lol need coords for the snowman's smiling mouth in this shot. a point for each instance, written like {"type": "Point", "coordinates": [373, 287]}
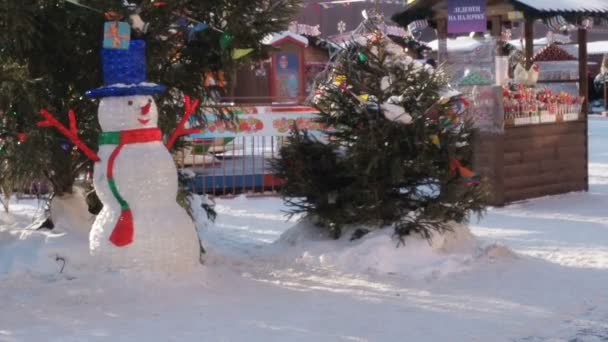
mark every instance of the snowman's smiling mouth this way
{"type": "Point", "coordinates": [144, 111]}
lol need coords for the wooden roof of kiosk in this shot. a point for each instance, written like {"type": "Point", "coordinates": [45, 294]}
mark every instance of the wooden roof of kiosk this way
{"type": "Point", "coordinates": [526, 161]}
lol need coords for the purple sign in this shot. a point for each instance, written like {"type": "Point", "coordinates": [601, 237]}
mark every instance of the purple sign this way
{"type": "Point", "coordinates": [465, 16]}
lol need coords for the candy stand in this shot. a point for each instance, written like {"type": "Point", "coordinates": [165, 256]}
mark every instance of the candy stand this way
{"type": "Point", "coordinates": [531, 115]}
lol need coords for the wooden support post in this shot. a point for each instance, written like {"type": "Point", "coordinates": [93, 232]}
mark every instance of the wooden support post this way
{"type": "Point", "coordinates": [583, 68]}
{"type": "Point", "coordinates": [584, 91]}
{"type": "Point", "coordinates": [605, 96]}
{"type": "Point", "coordinates": [496, 26]}
{"type": "Point", "coordinates": [442, 40]}
{"type": "Point", "coordinates": [497, 30]}
{"type": "Point", "coordinates": [529, 39]}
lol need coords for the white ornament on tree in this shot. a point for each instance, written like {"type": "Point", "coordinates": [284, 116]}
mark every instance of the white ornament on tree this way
{"type": "Point", "coordinates": [138, 24]}
{"type": "Point", "coordinates": [396, 113]}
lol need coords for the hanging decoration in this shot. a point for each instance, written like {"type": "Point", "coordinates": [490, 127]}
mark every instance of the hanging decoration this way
{"type": "Point", "coordinates": [199, 27]}
{"type": "Point", "coordinates": [557, 23]}
{"type": "Point", "coordinates": [417, 26]}
{"type": "Point", "coordinates": [341, 26]}
{"type": "Point", "coordinates": [303, 29]}
{"type": "Point", "coordinates": [396, 31]}
{"type": "Point", "coordinates": [435, 140]}
{"type": "Point", "coordinates": [317, 6]}
{"type": "Point", "coordinates": [21, 137]}
{"type": "Point", "coordinates": [138, 24]}
{"type": "Point", "coordinates": [240, 53]}
{"type": "Point", "coordinates": [116, 35]}
{"type": "Point", "coordinates": [77, 3]}
{"type": "Point", "coordinates": [456, 166]}
{"type": "Point", "coordinates": [225, 40]}
{"type": "Point", "coordinates": [214, 79]}
{"type": "Point", "coordinates": [65, 145]}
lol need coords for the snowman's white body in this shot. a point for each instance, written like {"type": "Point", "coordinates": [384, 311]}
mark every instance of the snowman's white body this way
{"type": "Point", "coordinates": [145, 175]}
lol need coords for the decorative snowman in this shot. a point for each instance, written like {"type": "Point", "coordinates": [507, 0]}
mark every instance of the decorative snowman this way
{"type": "Point", "coordinates": [141, 225]}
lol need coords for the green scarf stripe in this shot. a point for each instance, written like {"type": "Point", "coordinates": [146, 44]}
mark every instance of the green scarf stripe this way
{"type": "Point", "coordinates": [123, 204]}
{"type": "Point", "coordinates": [109, 138]}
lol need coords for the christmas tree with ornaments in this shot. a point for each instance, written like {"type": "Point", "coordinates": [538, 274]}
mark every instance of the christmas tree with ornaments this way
{"type": "Point", "coordinates": [188, 44]}
{"type": "Point", "coordinates": [50, 57]}
{"type": "Point", "coordinates": [397, 151]}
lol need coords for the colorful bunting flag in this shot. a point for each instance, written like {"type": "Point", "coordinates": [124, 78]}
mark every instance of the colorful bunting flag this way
{"type": "Point", "coordinates": [240, 53]}
{"type": "Point", "coordinates": [435, 140]}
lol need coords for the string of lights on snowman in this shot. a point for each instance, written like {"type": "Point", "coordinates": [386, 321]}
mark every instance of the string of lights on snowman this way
{"type": "Point", "coordinates": [127, 114]}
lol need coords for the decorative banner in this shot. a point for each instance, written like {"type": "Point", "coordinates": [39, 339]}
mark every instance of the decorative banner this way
{"type": "Point", "coordinates": [303, 29]}
{"type": "Point", "coordinates": [515, 15]}
{"type": "Point", "coordinates": [261, 121]}
{"type": "Point", "coordinates": [465, 16]}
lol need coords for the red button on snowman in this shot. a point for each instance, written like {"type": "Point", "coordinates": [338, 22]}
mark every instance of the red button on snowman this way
{"type": "Point", "coordinates": [141, 225]}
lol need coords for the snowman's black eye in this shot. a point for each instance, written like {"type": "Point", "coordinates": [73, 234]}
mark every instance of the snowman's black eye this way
{"type": "Point", "coordinates": [149, 100]}
{"type": "Point", "coordinates": [130, 103]}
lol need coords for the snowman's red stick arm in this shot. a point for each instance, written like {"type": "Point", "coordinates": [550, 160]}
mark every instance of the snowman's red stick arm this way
{"type": "Point", "coordinates": [189, 108]}
{"type": "Point", "coordinates": [71, 133]}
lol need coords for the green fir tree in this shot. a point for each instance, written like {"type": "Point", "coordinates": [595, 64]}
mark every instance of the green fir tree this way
{"type": "Point", "coordinates": [50, 56]}
{"type": "Point", "coordinates": [397, 152]}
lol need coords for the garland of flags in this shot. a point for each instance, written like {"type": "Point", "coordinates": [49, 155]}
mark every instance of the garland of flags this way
{"type": "Point", "coordinates": [193, 25]}
{"type": "Point", "coordinates": [559, 23]}
{"type": "Point", "coordinates": [417, 25]}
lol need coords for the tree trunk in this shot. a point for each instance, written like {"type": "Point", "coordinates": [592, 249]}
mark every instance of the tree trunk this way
{"type": "Point", "coordinates": [6, 201]}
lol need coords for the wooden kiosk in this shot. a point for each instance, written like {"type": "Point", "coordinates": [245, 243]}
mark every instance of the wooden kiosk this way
{"type": "Point", "coordinates": [527, 145]}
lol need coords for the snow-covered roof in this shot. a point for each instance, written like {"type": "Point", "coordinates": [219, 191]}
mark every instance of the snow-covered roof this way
{"type": "Point", "coordinates": [274, 38]}
{"type": "Point", "coordinates": [467, 43]}
{"type": "Point", "coordinates": [597, 6]}
{"type": "Point", "coordinates": [458, 44]}
{"type": "Point", "coordinates": [597, 48]}
{"type": "Point", "coordinates": [559, 38]}
{"type": "Point", "coordinates": [533, 9]}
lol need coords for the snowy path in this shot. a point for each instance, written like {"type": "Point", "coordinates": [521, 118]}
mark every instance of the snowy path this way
{"type": "Point", "coordinates": [556, 290]}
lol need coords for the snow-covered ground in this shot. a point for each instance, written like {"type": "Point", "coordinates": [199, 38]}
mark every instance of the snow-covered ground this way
{"type": "Point", "coordinates": [255, 288]}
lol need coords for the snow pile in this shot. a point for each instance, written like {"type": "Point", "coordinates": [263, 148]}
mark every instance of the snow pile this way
{"type": "Point", "coordinates": [70, 214]}
{"type": "Point", "coordinates": [65, 249]}
{"type": "Point", "coordinates": [41, 252]}
{"type": "Point", "coordinates": [380, 252]}
{"type": "Point", "coordinates": [199, 214]}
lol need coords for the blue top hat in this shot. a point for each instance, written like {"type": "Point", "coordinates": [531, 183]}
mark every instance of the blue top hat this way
{"type": "Point", "coordinates": [124, 73]}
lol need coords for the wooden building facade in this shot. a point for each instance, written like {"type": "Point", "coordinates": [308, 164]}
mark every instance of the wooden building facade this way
{"type": "Point", "coordinates": [536, 158]}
